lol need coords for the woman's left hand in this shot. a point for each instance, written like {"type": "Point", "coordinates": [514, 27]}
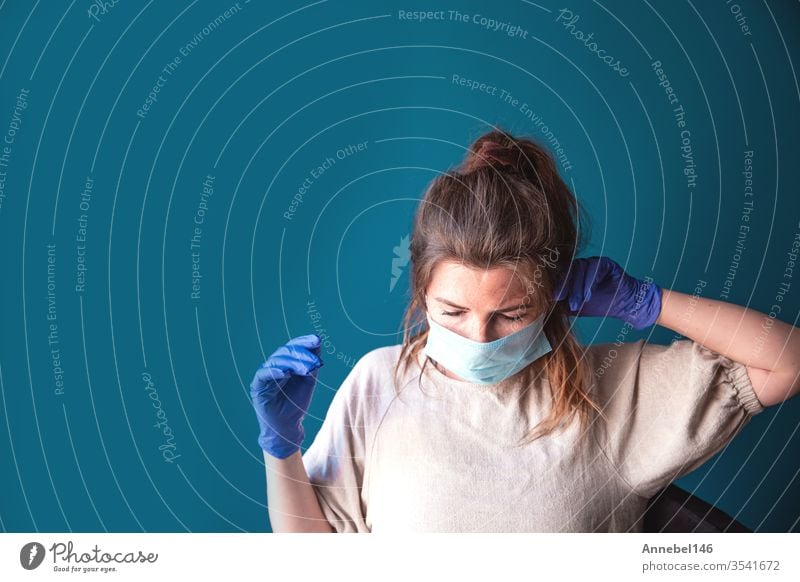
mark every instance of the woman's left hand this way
{"type": "Point", "coordinates": [599, 287]}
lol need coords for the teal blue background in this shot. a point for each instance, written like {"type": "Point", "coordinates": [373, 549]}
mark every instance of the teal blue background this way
{"type": "Point", "coordinates": [259, 103]}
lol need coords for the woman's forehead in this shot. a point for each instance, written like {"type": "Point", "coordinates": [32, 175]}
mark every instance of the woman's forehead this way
{"type": "Point", "coordinates": [447, 272]}
{"type": "Point", "coordinates": [468, 286]}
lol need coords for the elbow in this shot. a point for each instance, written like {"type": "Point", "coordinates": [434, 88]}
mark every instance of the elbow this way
{"type": "Point", "coordinates": [773, 387]}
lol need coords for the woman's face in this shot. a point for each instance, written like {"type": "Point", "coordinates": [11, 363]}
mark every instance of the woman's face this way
{"type": "Point", "coordinates": [479, 304]}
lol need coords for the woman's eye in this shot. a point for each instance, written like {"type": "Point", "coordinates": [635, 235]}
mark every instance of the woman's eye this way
{"type": "Point", "coordinates": [505, 317]}
{"type": "Point", "coordinates": [514, 318]}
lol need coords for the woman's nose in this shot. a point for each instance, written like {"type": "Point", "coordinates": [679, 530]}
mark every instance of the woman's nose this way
{"type": "Point", "coordinates": [479, 331]}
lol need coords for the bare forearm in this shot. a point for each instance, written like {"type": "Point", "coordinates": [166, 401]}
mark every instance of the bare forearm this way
{"type": "Point", "coordinates": [742, 334]}
{"type": "Point", "coordinates": [292, 503]}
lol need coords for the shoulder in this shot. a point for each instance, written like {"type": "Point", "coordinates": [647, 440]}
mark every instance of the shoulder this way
{"type": "Point", "coordinates": [371, 381]}
{"type": "Point", "coordinates": [614, 357]}
{"type": "Point", "coordinates": [377, 364]}
{"type": "Point", "coordinates": [618, 368]}
{"type": "Point", "coordinates": [682, 367]}
{"type": "Point", "coordinates": [379, 357]}
{"type": "Point", "coordinates": [624, 355]}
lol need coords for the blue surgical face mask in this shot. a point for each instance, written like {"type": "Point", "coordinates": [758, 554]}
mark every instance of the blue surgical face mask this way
{"type": "Point", "coordinates": [490, 362]}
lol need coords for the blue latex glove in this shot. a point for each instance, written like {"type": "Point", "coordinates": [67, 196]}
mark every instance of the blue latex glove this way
{"type": "Point", "coordinates": [598, 286]}
{"type": "Point", "coordinates": [281, 392]}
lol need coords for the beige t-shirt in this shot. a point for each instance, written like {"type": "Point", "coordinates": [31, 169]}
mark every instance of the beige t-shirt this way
{"type": "Point", "coordinates": [441, 458]}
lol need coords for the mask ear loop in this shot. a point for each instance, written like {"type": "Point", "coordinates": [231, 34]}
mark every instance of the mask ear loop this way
{"type": "Point", "coordinates": [428, 359]}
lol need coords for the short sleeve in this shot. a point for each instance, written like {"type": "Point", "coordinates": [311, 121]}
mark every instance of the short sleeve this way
{"type": "Point", "coordinates": [335, 460]}
{"type": "Point", "coordinates": [670, 408]}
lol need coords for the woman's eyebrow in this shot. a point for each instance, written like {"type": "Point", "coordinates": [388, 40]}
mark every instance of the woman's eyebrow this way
{"type": "Point", "coordinates": [519, 306]}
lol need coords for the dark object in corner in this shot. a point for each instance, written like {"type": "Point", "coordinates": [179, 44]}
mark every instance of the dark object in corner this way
{"type": "Point", "coordinates": [674, 510]}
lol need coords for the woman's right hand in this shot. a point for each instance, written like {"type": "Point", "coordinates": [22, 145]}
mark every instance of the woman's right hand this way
{"type": "Point", "coordinates": [281, 393]}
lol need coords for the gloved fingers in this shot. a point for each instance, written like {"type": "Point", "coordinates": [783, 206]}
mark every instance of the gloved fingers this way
{"type": "Point", "coordinates": [276, 372]}
{"type": "Point", "coordinates": [309, 341]}
{"type": "Point", "coordinates": [596, 269]}
{"type": "Point", "coordinates": [284, 363]}
{"type": "Point", "coordinates": [297, 364]}
{"type": "Point", "coordinates": [570, 279]}
{"type": "Point", "coordinates": [594, 278]}
{"type": "Point", "coordinates": [303, 356]}
{"type": "Point", "coordinates": [269, 380]}
{"type": "Point", "coordinates": [561, 284]}
{"type": "Point", "coordinates": [581, 286]}
{"type": "Point", "coordinates": [609, 270]}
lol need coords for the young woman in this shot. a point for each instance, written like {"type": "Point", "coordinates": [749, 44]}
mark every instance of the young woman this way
{"type": "Point", "coordinates": [490, 416]}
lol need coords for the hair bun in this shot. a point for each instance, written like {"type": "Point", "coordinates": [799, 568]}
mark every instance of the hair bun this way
{"type": "Point", "coordinates": [494, 149]}
{"type": "Point", "coordinates": [524, 157]}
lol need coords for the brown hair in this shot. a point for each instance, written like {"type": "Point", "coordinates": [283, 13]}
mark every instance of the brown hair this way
{"type": "Point", "coordinates": [505, 206]}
